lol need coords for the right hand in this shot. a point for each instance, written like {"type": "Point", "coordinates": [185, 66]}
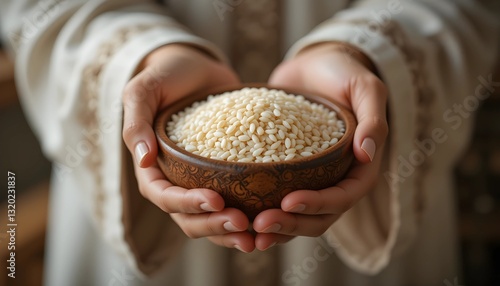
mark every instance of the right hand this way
{"type": "Point", "coordinates": [164, 76]}
{"type": "Point", "coordinates": [345, 74]}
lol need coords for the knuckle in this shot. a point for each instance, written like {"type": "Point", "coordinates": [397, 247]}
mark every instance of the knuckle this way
{"type": "Point", "coordinates": [321, 207]}
{"type": "Point", "coordinates": [226, 242]}
{"type": "Point", "coordinates": [130, 129]}
{"type": "Point", "coordinates": [347, 202]}
{"type": "Point", "coordinates": [131, 91]}
{"type": "Point", "coordinates": [372, 82]}
{"type": "Point", "coordinates": [152, 79]}
{"type": "Point", "coordinates": [186, 226]}
{"type": "Point", "coordinates": [187, 200]}
{"type": "Point", "coordinates": [163, 203]}
{"type": "Point", "coordinates": [294, 226]}
{"type": "Point", "coordinates": [142, 191]}
{"type": "Point", "coordinates": [189, 233]}
{"type": "Point", "coordinates": [380, 124]}
{"type": "Point", "coordinates": [376, 83]}
{"type": "Point", "coordinates": [209, 224]}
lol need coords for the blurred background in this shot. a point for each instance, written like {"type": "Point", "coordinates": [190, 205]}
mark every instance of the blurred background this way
{"type": "Point", "coordinates": [477, 179]}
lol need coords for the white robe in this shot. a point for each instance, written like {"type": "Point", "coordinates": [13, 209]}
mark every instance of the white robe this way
{"type": "Point", "coordinates": [73, 59]}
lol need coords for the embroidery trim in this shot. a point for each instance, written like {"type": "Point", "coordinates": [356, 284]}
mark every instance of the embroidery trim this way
{"type": "Point", "coordinates": [89, 116]}
{"type": "Point", "coordinates": [425, 95]}
{"type": "Point", "coordinates": [425, 98]}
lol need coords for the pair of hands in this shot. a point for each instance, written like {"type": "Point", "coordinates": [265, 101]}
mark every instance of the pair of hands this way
{"type": "Point", "coordinates": [174, 71]}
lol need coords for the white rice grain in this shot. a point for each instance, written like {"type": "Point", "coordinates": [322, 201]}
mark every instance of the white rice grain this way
{"type": "Point", "coordinates": [255, 125]}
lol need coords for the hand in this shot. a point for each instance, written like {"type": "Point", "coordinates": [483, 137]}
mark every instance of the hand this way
{"type": "Point", "coordinates": [166, 75]}
{"type": "Point", "coordinates": [346, 75]}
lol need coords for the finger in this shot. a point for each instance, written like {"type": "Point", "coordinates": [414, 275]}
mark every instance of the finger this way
{"type": "Point", "coordinates": [280, 222]}
{"type": "Point", "coordinates": [173, 199]}
{"type": "Point", "coordinates": [210, 224]}
{"type": "Point", "coordinates": [334, 200]}
{"type": "Point", "coordinates": [140, 105]}
{"type": "Point", "coordinates": [143, 97]}
{"type": "Point", "coordinates": [243, 241]}
{"type": "Point", "coordinates": [369, 96]}
{"type": "Point", "coordinates": [264, 241]}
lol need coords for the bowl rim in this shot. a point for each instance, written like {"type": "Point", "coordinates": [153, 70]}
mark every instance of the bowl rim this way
{"type": "Point", "coordinates": [164, 116]}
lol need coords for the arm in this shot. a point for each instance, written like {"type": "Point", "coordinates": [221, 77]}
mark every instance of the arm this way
{"type": "Point", "coordinates": [429, 56]}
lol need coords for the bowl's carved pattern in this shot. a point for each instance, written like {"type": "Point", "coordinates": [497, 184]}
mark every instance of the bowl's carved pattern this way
{"type": "Point", "coordinates": [252, 190]}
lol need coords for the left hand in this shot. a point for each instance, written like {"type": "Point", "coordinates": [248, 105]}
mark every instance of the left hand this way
{"type": "Point", "coordinates": [347, 76]}
{"type": "Point", "coordinates": [165, 75]}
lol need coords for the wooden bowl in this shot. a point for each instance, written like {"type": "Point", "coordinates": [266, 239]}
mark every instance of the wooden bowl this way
{"type": "Point", "coordinates": [254, 187]}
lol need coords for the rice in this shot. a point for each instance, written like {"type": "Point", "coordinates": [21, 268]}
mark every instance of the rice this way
{"type": "Point", "coordinates": [255, 125]}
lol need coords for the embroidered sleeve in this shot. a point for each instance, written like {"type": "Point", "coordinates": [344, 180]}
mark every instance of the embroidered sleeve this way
{"type": "Point", "coordinates": [427, 56]}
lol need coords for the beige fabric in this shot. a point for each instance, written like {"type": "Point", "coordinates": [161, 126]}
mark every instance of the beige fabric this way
{"type": "Point", "coordinates": [73, 59]}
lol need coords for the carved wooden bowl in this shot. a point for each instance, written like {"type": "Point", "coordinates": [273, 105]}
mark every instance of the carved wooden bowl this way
{"type": "Point", "coordinates": [254, 187]}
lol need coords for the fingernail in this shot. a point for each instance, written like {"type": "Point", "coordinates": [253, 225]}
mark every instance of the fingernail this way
{"type": "Point", "coordinates": [369, 147]}
{"type": "Point", "coordinates": [207, 207]}
{"type": "Point", "coordinates": [240, 249]}
{"type": "Point", "coordinates": [272, 228]}
{"type": "Point", "coordinates": [141, 150]}
{"type": "Point", "coordinates": [297, 209]}
{"type": "Point", "coordinates": [271, 245]}
{"type": "Point", "coordinates": [230, 227]}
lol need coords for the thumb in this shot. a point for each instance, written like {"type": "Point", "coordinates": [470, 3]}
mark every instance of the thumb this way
{"type": "Point", "coordinates": [154, 88]}
{"type": "Point", "coordinates": [139, 108]}
{"type": "Point", "coordinates": [143, 97]}
{"type": "Point", "coordinates": [368, 99]}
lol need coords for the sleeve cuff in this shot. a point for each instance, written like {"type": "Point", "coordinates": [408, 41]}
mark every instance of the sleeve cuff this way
{"type": "Point", "coordinates": [137, 229]}
{"type": "Point", "coordinates": [383, 223]}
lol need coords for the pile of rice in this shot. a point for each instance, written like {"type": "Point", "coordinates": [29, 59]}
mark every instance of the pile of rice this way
{"type": "Point", "coordinates": [255, 125]}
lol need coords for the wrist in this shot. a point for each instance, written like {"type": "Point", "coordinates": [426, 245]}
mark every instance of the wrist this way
{"type": "Point", "coordinates": [177, 49]}
{"type": "Point", "coordinates": [346, 49]}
